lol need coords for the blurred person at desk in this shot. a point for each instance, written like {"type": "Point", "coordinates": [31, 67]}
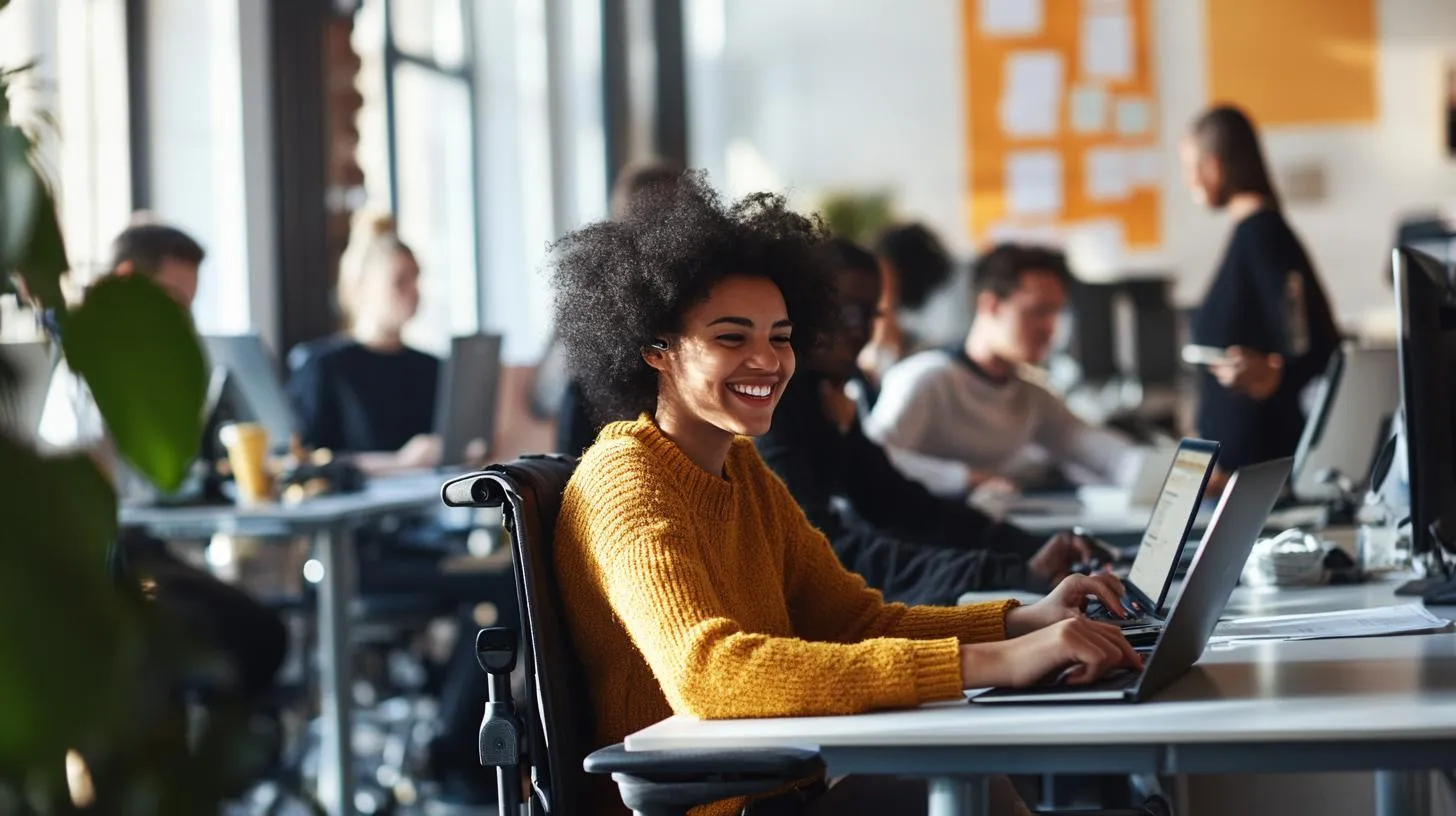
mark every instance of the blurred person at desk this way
{"type": "Point", "coordinates": [693, 584]}
{"type": "Point", "coordinates": [1265, 307]}
{"type": "Point", "coordinates": [961, 418]}
{"type": "Point", "coordinates": [251, 639]}
{"type": "Point", "coordinates": [911, 545]}
{"type": "Point", "coordinates": [914, 265]}
{"type": "Point", "coordinates": [364, 392]}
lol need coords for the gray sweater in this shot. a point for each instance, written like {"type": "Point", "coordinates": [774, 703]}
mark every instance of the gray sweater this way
{"type": "Point", "coordinates": [943, 421]}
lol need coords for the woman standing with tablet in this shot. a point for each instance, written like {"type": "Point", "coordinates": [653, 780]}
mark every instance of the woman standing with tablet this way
{"type": "Point", "coordinates": [1265, 309]}
{"type": "Point", "coordinates": [693, 583]}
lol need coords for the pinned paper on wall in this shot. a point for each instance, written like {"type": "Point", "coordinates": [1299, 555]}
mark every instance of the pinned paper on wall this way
{"type": "Point", "coordinates": [1107, 47]}
{"type": "Point", "coordinates": [1034, 182]}
{"type": "Point", "coordinates": [1106, 174]}
{"type": "Point", "coordinates": [1133, 117]}
{"type": "Point", "coordinates": [1063, 119]}
{"type": "Point", "coordinates": [1011, 18]}
{"type": "Point", "coordinates": [1032, 95]}
{"type": "Point", "coordinates": [1144, 167]}
{"type": "Point", "coordinates": [1089, 109]}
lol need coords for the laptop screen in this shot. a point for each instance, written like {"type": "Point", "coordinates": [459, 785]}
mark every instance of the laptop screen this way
{"type": "Point", "coordinates": [1163, 541]}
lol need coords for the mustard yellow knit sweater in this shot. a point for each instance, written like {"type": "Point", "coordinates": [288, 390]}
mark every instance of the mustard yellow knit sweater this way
{"type": "Point", "coordinates": [693, 594]}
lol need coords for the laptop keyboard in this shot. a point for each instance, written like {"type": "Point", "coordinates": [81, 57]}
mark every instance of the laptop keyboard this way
{"type": "Point", "coordinates": [1098, 612]}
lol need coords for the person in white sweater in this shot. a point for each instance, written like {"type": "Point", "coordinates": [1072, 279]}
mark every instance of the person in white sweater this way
{"type": "Point", "coordinates": [955, 419]}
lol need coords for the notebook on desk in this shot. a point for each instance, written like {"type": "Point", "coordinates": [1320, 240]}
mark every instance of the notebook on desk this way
{"type": "Point", "coordinates": [1236, 525]}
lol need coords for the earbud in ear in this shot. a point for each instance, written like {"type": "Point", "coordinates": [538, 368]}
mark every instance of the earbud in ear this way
{"type": "Point", "coordinates": [659, 344]}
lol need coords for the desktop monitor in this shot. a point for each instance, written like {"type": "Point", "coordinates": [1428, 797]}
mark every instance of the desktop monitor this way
{"type": "Point", "coordinates": [255, 393]}
{"type": "Point", "coordinates": [1094, 334]}
{"type": "Point", "coordinates": [466, 402]}
{"type": "Point", "coordinates": [1158, 360]}
{"type": "Point", "coordinates": [1426, 305]}
{"type": "Point", "coordinates": [1353, 404]}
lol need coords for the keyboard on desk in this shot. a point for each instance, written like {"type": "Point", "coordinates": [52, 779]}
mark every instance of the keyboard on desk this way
{"type": "Point", "coordinates": [1133, 620]}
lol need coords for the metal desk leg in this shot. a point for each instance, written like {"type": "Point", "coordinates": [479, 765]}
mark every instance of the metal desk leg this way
{"type": "Point", "coordinates": [1403, 793]}
{"type": "Point", "coordinates": [335, 549]}
{"type": "Point", "coordinates": [959, 797]}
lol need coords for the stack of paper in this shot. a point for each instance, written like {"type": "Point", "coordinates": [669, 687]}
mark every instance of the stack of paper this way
{"type": "Point", "coordinates": [1385, 620]}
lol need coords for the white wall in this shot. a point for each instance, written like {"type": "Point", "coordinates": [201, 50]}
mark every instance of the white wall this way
{"type": "Point", "coordinates": [863, 94]}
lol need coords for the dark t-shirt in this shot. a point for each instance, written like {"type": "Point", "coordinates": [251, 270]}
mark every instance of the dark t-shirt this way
{"type": "Point", "coordinates": [350, 398]}
{"type": "Point", "coordinates": [1265, 297]}
{"type": "Point", "coordinates": [911, 545]}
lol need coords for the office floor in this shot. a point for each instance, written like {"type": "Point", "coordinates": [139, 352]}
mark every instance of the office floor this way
{"type": "Point", "coordinates": [1346, 794]}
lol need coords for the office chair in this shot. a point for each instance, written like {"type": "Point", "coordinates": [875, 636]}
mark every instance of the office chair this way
{"type": "Point", "coordinates": [554, 737]}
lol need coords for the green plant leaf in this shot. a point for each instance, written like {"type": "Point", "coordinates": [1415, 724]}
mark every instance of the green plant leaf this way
{"type": "Point", "coordinates": [43, 259]}
{"type": "Point", "coordinates": [61, 662]}
{"type": "Point", "coordinates": [20, 193]}
{"type": "Point", "coordinates": [140, 355]}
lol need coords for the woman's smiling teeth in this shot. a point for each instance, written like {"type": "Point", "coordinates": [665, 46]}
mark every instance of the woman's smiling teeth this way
{"type": "Point", "coordinates": [755, 391]}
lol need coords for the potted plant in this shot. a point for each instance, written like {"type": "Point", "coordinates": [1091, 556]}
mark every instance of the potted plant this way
{"type": "Point", "coordinates": [84, 672]}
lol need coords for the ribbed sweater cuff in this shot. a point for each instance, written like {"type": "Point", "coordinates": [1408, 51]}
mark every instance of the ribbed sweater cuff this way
{"type": "Point", "coordinates": [937, 669]}
{"type": "Point", "coordinates": [986, 622]}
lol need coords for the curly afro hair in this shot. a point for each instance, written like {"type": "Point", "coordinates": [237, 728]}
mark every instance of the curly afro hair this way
{"type": "Point", "coordinates": [618, 285]}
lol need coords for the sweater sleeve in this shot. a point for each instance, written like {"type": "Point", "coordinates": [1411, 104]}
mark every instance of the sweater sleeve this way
{"type": "Point", "coordinates": [710, 665]}
{"type": "Point", "coordinates": [1103, 453]}
{"type": "Point", "coordinates": [830, 603]}
{"type": "Point", "coordinates": [903, 422]}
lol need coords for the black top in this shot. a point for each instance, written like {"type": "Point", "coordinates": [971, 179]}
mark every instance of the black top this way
{"type": "Point", "coordinates": [350, 398]}
{"type": "Point", "coordinates": [1265, 297]}
{"type": "Point", "coordinates": [906, 542]}
{"type": "Point", "coordinates": [576, 429]}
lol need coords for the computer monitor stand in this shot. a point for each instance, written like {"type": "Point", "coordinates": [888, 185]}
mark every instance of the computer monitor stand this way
{"type": "Point", "coordinates": [1438, 588]}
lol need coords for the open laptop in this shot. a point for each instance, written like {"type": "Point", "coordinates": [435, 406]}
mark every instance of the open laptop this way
{"type": "Point", "coordinates": [1237, 523]}
{"type": "Point", "coordinates": [1148, 580]}
{"type": "Point", "coordinates": [255, 392]}
{"type": "Point", "coordinates": [465, 403]}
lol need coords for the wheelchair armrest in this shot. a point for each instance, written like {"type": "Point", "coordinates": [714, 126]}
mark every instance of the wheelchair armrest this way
{"type": "Point", "coordinates": [788, 764]}
{"type": "Point", "coordinates": [673, 782]}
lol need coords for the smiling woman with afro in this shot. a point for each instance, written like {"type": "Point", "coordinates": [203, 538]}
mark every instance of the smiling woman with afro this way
{"type": "Point", "coordinates": [691, 580]}
{"type": "Point", "coordinates": [620, 285]}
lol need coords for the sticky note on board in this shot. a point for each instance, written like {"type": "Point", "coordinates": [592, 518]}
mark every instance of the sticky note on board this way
{"type": "Point", "coordinates": [1106, 44]}
{"type": "Point", "coordinates": [1133, 115]}
{"type": "Point", "coordinates": [1106, 175]}
{"type": "Point", "coordinates": [1034, 183]}
{"type": "Point", "coordinates": [1011, 18]}
{"type": "Point", "coordinates": [1031, 97]}
{"type": "Point", "coordinates": [1088, 105]}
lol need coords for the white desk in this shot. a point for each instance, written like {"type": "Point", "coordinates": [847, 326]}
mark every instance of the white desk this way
{"type": "Point", "coordinates": [1381, 704]}
{"type": "Point", "coordinates": [1132, 521]}
{"type": "Point", "coordinates": [330, 521]}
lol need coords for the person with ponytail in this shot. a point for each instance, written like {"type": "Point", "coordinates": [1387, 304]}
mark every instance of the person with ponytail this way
{"type": "Point", "coordinates": [1266, 307]}
{"type": "Point", "coordinates": [365, 392]}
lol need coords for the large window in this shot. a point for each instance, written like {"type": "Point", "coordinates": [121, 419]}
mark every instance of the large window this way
{"type": "Point", "coordinates": [427, 101]}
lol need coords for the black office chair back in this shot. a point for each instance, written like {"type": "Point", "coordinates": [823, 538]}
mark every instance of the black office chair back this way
{"type": "Point", "coordinates": [559, 721]}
